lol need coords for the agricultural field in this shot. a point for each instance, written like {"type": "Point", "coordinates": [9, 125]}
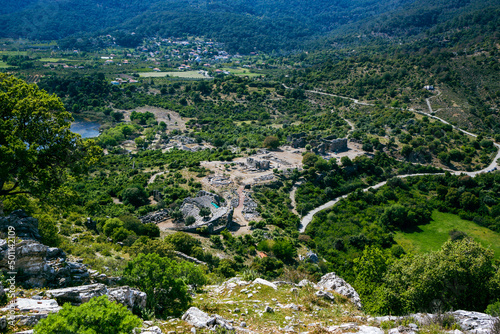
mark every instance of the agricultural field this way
{"type": "Point", "coordinates": [187, 75]}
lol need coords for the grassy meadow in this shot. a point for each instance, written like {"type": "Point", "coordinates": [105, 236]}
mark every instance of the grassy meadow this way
{"type": "Point", "coordinates": [430, 237]}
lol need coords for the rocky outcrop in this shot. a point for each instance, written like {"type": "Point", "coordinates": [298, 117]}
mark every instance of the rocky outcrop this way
{"type": "Point", "coordinates": [42, 266]}
{"type": "Point", "coordinates": [25, 227]}
{"type": "Point", "coordinates": [33, 305]}
{"type": "Point", "coordinates": [325, 295]}
{"type": "Point", "coordinates": [32, 311]}
{"type": "Point", "coordinates": [199, 319]}
{"type": "Point", "coordinates": [333, 282]}
{"type": "Point", "coordinates": [469, 322]}
{"type": "Point", "coordinates": [131, 298]}
{"type": "Point", "coordinates": [264, 282]}
{"type": "Point", "coordinates": [77, 295]}
{"type": "Point", "coordinates": [37, 265]}
{"type": "Point", "coordinates": [474, 321]}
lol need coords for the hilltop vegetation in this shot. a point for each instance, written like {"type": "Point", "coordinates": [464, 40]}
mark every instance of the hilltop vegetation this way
{"type": "Point", "coordinates": [274, 25]}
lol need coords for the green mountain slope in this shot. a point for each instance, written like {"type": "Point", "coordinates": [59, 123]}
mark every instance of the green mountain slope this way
{"type": "Point", "coordinates": [244, 25]}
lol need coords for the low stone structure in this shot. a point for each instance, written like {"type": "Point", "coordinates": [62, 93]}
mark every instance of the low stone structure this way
{"type": "Point", "coordinates": [220, 216]}
{"type": "Point", "coordinates": [320, 145]}
{"type": "Point", "coordinates": [258, 164]}
{"type": "Point", "coordinates": [155, 217]}
{"type": "Point", "coordinates": [335, 145]}
{"type": "Point", "coordinates": [249, 207]}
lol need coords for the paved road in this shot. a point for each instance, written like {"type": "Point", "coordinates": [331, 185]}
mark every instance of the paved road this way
{"type": "Point", "coordinates": [428, 100]}
{"type": "Point", "coordinates": [492, 166]}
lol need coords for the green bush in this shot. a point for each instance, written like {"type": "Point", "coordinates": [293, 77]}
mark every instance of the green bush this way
{"type": "Point", "coordinates": [163, 280]}
{"type": "Point", "coordinates": [99, 315]}
{"type": "Point", "coordinates": [459, 276]}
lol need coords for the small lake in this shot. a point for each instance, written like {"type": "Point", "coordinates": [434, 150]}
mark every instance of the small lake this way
{"type": "Point", "coordinates": [86, 129]}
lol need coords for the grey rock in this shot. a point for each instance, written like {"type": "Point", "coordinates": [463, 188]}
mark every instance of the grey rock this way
{"type": "Point", "coordinates": [304, 283]}
{"type": "Point", "coordinates": [402, 330]}
{"type": "Point", "coordinates": [333, 282]}
{"type": "Point", "coordinates": [223, 323]}
{"type": "Point", "coordinates": [243, 324]}
{"type": "Point", "coordinates": [326, 295]}
{"type": "Point", "coordinates": [264, 282]}
{"type": "Point", "coordinates": [25, 332]}
{"type": "Point", "coordinates": [474, 321]}
{"type": "Point", "coordinates": [197, 318]}
{"type": "Point", "coordinates": [413, 326]}
{"type": "Point", "coordinates": [313, 257]}
{"type": "Point", "coordinates": [25, 227]}
{"type": "Point", "coordinates": [79, 294]}
{"type": "Point", "coordinates": [369, 330]}
{"type": "Point", "coordinates": [268, 309]}
{"type": "Point", "coordinates": [29, 304]}
{"type": "Point", "coordinates": [151, 330]}
{"type": "Point", "coordinates": [28, 320]}
{"type": "Point", "coordinates": [41, 266]}
{"type": "Point", "coordinates": [128, 296]}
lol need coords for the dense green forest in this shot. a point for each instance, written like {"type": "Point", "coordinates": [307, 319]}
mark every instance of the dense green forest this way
{"type": "Point", "coordinates": [274, 25]}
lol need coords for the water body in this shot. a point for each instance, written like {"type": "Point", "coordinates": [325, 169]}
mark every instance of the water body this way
{"type": "Point", "coordinates": [86, 129]}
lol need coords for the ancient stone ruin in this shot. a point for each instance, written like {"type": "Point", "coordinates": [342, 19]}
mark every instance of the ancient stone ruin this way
{"type": "Point", "coordinates": [320, 145]}
{"type": "Point", "coordinates": [335, 145]}
{"type": "Point", "coordinates": [258, 164]}
{"type": "Point", "coordinates": [220, 217]}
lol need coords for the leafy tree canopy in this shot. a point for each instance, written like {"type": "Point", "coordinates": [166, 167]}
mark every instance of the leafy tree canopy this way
{"type": "Point", "coordinates": [37, 148]}
{"type": "Point", "coordinates": [164, 281]}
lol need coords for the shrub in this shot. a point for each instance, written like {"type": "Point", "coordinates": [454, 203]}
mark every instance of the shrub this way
{"type": "Point", "coordinates": [494, 309]}
{"type": "Point", "coordinates": [135, 195]}
{"type": "Point", "coordinates": [460, 276]}
{"type": "Point", "coordinates": [161, 279]}
{"type": "Point", "coordinates": [190, 220]}
{"type": "Point", "coordinates": [99, 315]}
{"type": "Point", "coordinates": [271, 142]}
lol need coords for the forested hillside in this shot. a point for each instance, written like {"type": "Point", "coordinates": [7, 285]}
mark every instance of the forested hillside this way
{"type": "Point", "coordinates": [243, 25]}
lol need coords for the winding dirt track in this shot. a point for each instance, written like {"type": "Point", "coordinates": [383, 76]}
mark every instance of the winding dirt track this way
{"type": "Point", "coordinates": [492, 166]}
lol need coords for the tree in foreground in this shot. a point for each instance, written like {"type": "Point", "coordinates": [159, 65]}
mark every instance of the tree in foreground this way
{"type": "Point", "coordinates": [99, 315]}
{"type": "Point", "coordinates": [461, 275]}
{"type": "Point", "coordinates": [37, 147]}
{"type": "Point", "coordinates": [163, 280]}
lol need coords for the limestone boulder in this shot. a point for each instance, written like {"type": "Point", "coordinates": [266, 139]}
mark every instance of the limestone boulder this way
{"type": "Point", "coordinates": [333, 282]}
{"type": "Point", "coordinates": [33, 305]}
{"type": "Point", "coordinates": [77, 295]}
{"type": "Point", "coordinates": [474, 321]}
{"type": "Point", "coordinates": [197, 318]}
{"type": "Point", "coordinates": [325, 295]}
{"type": "Point", "coordinates": [127, 296]}
{"type": "Point", "coordinates": [264, 282]}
